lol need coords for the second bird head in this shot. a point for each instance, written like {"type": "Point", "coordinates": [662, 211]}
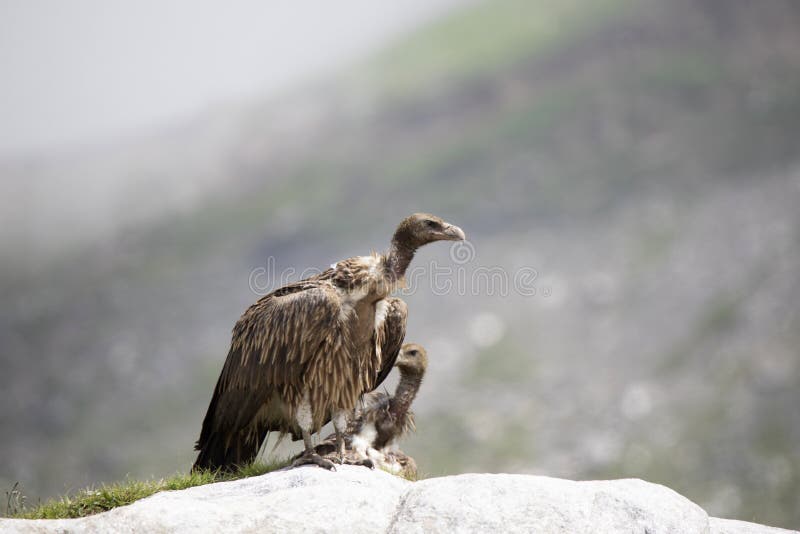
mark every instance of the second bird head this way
{"type": "Point", "coordinates": [413, 359]}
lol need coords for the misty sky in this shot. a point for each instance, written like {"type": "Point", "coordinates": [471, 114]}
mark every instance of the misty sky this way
{"type": "Point", "coordinates": [73, 72]}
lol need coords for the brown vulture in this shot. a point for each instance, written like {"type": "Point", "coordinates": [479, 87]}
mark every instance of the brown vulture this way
{"type": "Point", "coordinates": [383, 419]}
{"type": "Point", "coordinates": [305, 353]}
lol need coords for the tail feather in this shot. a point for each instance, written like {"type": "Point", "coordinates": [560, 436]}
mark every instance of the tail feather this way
{"type": "Point", "coordinates": [219, 453]}
{"type": "Point", "coordinates": [212, 455]}
{"type": "Point", "coordinates": [230, 437]}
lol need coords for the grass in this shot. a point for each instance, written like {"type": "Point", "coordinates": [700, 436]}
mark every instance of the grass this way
{"type": "Point", "coordinates": [91, 501]}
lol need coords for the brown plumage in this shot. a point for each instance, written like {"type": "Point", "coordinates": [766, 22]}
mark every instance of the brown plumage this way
{"type": "Point", "coordinates": [383, 418]}
{"type": "Point", "coordinates": [306, 352]}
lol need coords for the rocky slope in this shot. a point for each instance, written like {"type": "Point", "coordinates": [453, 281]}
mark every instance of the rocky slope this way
{"type": "Point", "coordinates": [354, 499]}
{"type": "Point", "coordinates": [642, 157]}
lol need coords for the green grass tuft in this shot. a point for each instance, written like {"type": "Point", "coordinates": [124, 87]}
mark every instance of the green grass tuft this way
{"type": "Point", "coordinates": [95, 500]}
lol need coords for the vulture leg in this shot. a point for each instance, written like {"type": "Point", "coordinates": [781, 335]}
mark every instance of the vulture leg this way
{"type": "Point", "coordinates": [340, 426]}
{"type": "Point", "coordinates": [310, 456]}
{"type": "Point", "coordinates": [305, 421]}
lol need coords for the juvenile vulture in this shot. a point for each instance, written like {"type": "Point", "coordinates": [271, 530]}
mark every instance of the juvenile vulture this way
{"type": "Point", "coordinates": [383, 418]}
{"type": "Point", "coordinates": [306, 352]}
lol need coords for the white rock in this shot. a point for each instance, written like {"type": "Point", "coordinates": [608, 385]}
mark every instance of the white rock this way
{"type": "Point", "coordinates": [306, 499]}
{"type": "Point", "coordinates": [355, 499]}
{"type": "Point", "coordinates": [521, 503]}
{"type": "Point", "coordinates": [729, 526]}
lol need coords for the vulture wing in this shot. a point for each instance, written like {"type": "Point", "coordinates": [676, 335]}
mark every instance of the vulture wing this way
{"type": "Point", "coordinates": [371, 402]}
{"type": "Point", "coordinates": [390, 335]}
{"type": "Point", "coordinates": [274, 342]}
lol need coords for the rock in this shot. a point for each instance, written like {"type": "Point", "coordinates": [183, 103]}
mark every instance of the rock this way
{"type": "Point", "coordinates": [730, 526]}
{"type": "Point", "coordinates": [355, 499]}
{"type": "Point", "coordinates": [498, 503]}
{"type": "Point", "coordinates": [307, 499]}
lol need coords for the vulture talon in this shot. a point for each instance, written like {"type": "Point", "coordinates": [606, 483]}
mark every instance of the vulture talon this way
{"type": "Point", "coordinates": [314, 459]}
{"type": "Point", "coordinates": [366, 462]}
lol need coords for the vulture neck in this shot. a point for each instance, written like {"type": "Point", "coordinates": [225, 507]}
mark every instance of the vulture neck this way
{"type": "Point", "coordinates": [399, 257]}
{"type": "Point", "coordinates": [404, 394]}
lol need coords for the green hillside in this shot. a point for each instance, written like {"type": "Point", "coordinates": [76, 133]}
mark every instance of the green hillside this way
{"type": "Point", "coordinates": [642, 156]}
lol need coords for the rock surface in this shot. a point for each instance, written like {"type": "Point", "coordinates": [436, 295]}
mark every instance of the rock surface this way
{"type": "Point", "coordinates": [730, 526]}
{"type": "Point", "coordinates": [355, 499]}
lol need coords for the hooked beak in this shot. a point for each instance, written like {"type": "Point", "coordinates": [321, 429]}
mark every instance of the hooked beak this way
{"type": "Point", "coordinates": [454, 233]}
{"type": "Point", "coordinates": [400, 357]}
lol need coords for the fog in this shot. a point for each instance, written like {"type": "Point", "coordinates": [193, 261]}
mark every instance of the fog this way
{"type": "Point", "coordinates": [636, 162]}
{"type": "Point", "coordinates": [75, 73]}
{"type": "Point", "coordinates": [87, 84]}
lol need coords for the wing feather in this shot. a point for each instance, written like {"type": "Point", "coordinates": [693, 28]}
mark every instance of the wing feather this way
{"type": "Point", "coordinates": [389, 337]}
{"type": "Point", "coordinates": [274, 343]}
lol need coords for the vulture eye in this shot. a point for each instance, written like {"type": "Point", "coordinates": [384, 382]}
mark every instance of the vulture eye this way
{"type": "Point", "coordinates": [431, 224]}
{"type": "Point", "coordinates": [412, 353]}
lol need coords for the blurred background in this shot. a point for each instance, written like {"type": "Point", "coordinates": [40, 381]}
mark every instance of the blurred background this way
{"type": "Point", "coordinates": [643, 157]}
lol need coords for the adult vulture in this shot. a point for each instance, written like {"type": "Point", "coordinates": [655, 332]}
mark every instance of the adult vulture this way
{"type": "Point", "coordinates": [306, 352]}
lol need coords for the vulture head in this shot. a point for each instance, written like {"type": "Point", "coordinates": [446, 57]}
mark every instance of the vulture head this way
{"type": "Point", "coordinates": [422, 228]}
{"type": "Point", "coordinates": [412, 360]}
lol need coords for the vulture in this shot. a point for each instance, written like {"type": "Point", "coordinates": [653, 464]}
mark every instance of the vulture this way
{"type": "Point", "coordinates": [381, 419]}
{"type": "Point", "coordinates": [384, 419]}
{"type": "Point", "coordinates": [305, 353]}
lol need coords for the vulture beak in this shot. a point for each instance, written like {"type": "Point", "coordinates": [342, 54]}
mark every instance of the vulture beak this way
{"type": "Point", "coordinates": [453, 233]}
{"type": "Point", "coordinates": [401, 357]}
